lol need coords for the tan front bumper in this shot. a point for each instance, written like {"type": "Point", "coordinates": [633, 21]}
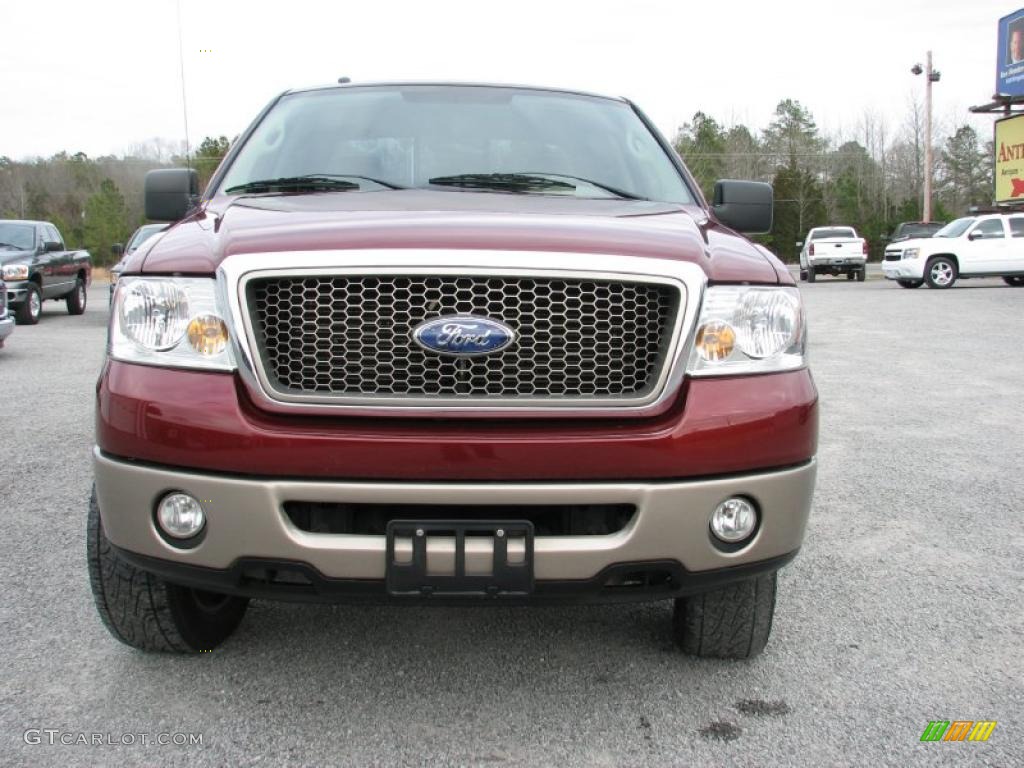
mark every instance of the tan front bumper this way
{"type": "Point", "coordinates": [245, 518]}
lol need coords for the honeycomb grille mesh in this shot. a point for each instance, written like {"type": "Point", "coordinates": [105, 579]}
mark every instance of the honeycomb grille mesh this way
{"type": "Point", "coordinates": [352, 335]}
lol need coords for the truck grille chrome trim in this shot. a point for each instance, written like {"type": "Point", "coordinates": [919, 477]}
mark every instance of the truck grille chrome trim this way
{"type": "Point", "coordinates": [353, 335]}
{"type": "Point", "coordinates": [597, 335]}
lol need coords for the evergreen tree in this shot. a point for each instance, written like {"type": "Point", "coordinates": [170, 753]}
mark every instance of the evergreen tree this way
{"type": "Point", "coordinates": [211, 151]}
{"type": "Point", "coordinates": [701, 144]}
{"type": "Point", "coordinates": [105, 221]}
{"type": "Point", "coordinates": [965, 171]}
{"type": "Point", "coordinates": [799, 206]}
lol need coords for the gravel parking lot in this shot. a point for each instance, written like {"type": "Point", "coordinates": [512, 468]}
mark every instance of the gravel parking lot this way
{"type": "Point", "coordinates": [903, 607]}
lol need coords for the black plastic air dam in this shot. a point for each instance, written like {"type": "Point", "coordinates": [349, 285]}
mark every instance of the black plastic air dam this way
{"type": "Point", "coordinates": [270, 579]}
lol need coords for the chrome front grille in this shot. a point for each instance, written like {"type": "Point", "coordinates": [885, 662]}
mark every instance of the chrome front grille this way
{"type": "Point", "coordinates": [343, 336]}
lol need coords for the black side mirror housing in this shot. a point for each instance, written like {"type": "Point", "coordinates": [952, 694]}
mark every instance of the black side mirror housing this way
{"type": "Point", "coordinates": [745, 206]}
{"type": "Point", "coordinates": [170, 193]}
{"type": "Point", "coordinates": [50, 246]}
{"type": "Point", "coordinates": [116, 250]}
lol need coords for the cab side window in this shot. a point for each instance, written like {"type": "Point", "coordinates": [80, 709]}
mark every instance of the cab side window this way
{"type": "Point", "coordinates": [53, 236]}
{"type": "Point", "coordinates": [989, 229]}
{"type": "Point", "coordinates": [1017, 226]}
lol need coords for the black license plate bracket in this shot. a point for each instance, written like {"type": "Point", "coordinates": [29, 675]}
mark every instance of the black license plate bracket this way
{"type": "Point", "coordinates": [412, 576]}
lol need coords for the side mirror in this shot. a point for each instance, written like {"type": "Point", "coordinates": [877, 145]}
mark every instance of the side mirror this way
{"type": "Point", "coordinates": [50, 246]}
{"type": "Point", "coordinates": [170, 193]}
{"type": "Point", "coordinates": [975, 235]}
{"type": "Point", "coordinates": [116, 250]}
{"type": "Point", "coordinates": [745, 206]}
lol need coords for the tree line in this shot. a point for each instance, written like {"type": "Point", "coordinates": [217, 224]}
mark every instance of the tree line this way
{"type": "Point", "coordinates": [95, 202]}
{"type": "Point", "coordinates": [867, 178]}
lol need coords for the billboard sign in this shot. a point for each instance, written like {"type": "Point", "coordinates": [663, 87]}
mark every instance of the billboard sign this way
{"type": "Point", "coordinates": [1009, 146]}
{"type": "Point", "coordinates": [1010, 56]}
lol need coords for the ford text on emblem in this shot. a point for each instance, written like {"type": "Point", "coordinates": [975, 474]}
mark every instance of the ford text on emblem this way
{"type": "Point", "coordinates": [463, 335]}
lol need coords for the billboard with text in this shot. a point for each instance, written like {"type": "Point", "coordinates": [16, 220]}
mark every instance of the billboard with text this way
{"type": "Point", "coordinates": [1009, 146]}
{"type": "Point", "coordinates": [1010, 55]}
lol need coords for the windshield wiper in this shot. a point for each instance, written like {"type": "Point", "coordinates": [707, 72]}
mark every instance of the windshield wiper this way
{"type": "Point", "coordinates": [312, 181]}
{"type": "Point", "coordinates": [12, 245]}
{"type": "Point", "coordinates": [505, 182]}
{"type": "Point", "coordinates": [531, 181]}
{"type": "Point", "coordinates": [599, 184]}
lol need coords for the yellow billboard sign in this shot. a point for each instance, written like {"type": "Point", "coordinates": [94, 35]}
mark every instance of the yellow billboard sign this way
{"type": "Point", "coordinates": [1009, 147]}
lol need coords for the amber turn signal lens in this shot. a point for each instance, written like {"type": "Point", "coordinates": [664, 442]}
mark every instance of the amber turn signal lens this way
{"type": "Point", "coordinates": [715, 341]}
{"type": "Point", "coordinates": [208, 335]}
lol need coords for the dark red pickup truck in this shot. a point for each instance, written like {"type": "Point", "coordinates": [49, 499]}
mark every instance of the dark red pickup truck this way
{"type": "Point", "coordinates": [450, 344]}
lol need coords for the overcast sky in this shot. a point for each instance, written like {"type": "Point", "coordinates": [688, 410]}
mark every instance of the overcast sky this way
{"type": "Point", "coordinates": [100, 76]}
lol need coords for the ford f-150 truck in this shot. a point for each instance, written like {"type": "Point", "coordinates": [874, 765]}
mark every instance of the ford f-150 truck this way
{"type": "Point", "coordinates": [450, 344]}
{"type": "Point", "coordinates": [36, 266]}
{"type": "Point", "coordinates": [833, 251]}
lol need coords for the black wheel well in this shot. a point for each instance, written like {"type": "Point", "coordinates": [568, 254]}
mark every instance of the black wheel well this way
{"type": "Point", "coordinates": [36, 278]}
{"type": "Point", "coordinates": [81, 275]}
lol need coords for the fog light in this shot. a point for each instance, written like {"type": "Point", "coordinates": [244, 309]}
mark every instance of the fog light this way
{"type": "Point", "coordinates": [734, 520]}
{"type": "Point", "coordinates": [180, 515]}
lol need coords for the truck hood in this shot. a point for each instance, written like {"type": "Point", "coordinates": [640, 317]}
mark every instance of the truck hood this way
{"type": "Point", "coordinates": [8, 256]}
{"type": "Point", "coordinates": [455, 220]}
{"type": "Point", "coordinates": [919, 242]}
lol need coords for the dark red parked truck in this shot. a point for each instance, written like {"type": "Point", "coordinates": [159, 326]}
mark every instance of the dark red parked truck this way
{"type": "Point", "coordinates": [450, 344]}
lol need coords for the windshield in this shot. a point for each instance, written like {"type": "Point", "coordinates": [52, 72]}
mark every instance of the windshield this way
{"type": "Point", "coordinates": [142, 234]}
{"type": "Point", "coordinates": [919, 230]}
{"type": "Point", "coordinates": [21, 236]}
{"type": "Point", "coordinates": [832, 233]}
{"type": "Point", "coordinates": [955, 228]}
{"type": "Point", "coordinates": [376, 137]}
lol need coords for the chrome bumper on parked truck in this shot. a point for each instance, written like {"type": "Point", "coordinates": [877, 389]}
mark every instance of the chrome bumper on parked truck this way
{"type": "Point", "coordinates": [246, 520]}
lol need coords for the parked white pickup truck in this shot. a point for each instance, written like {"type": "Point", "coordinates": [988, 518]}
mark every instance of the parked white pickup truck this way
{"type": "Point", "coordinates": [833, 251]}
{"type": "Point", "coordinates": [974, 246]}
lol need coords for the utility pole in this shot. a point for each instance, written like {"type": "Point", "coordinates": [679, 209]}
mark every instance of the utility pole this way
{"type": "Point", "coordinates": [931, 76]}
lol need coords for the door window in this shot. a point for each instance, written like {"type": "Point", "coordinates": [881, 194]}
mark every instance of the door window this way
{"type": "Point", "coordinates": [989, 229]}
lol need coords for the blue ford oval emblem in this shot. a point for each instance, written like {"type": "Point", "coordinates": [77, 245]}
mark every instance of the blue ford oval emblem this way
{"type": "Point", "coordinates": [463, 335]}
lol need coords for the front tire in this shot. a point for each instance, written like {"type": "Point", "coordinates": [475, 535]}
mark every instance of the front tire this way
{"type": "Point", "coordinates": [1017, 281]}
{"type": "Point", "coordinates": [31, 309]}
{"type": "Point", "coordinates": [731, 622]}
{"type": "Point", "coordinates": [148, 613]}
{"type": "Point", "coordinates": [910, 283]}
{"type": "Point", "coordinates": [77, 298]}
{"type": "Point", "coordinates": [941, 272]}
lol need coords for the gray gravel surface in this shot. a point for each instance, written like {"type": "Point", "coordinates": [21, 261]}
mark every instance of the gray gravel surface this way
{"type": "Point", "coordinates": [904, 606]}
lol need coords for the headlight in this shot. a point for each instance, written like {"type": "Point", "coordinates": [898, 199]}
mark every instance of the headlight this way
{"type": "Point", "coordinates": [911, 253]}
{"type": "Point", "coordinates": [748, 329]}
{"type": "Point", "coordinates": [15, 272]}
{"type": "Point", "coordinates": [172, 321]}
